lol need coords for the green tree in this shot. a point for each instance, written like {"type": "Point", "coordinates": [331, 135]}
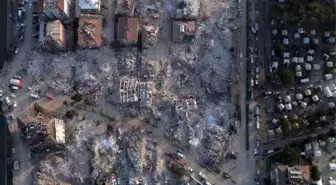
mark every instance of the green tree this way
{"type": "Point", "coordinates": [314, 173]}
{"type": "Point", "coordinates": [287, 77]}
{"type": "Point", "coordinates": [285, 124]}
{"type": "Point", "coordinates": [290, 156]}
{"type": "Point", "coordinates": [332, 132]}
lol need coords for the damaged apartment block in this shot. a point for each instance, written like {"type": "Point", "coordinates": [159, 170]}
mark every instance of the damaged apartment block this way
{"type": "Point", "coordinates": [89, 31]}
{"type": "Point", "coordinates": [55, 38]}
{"type": "Point", "coordinates": [125, 8]}
{"type": "Point", "coordinates": [55, 9]}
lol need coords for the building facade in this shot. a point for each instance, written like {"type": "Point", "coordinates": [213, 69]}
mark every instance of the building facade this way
{"type": "Point", "coordinates": [55, 9]}
{"type": "Point", "coordinates": [55, 38]}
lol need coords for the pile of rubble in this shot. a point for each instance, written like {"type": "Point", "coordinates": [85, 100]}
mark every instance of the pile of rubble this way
{"type": "Point", "coordinates": [35, 137]}
{"type": "Point", "coordinates": [86, 70]}
{"type": "Point", "coordinates": [89, 158]}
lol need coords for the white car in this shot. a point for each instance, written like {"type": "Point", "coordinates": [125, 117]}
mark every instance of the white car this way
{"type": "Point", "coordinates": [255, 151]}
{"type": "Point", "coordinates": [190, 169]}
{"type": "Point", "coordinates": [202, 175]}
{"type": "Point", "coordinates": [332, 87]}
{"type": "Point", "coordinates": [180, 155]}
{"type": "Point", "coordinates": [30, 5]}
{"type": "Point", "coordinates": [14, 105]}
{"type": "Point", "coordinates": [12, 96]}
{"type": "Point", "coordinates": [7, 100]}
{"type": "Point", "coordinates": [35, 96]}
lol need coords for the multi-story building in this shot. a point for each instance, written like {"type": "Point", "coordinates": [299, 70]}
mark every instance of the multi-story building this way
{"type": "Point", "coordinates": [89, 31]}
{"type": "Point", "coordinates": [88, 6]}
{"type": "Point", "coordinates": [7, 46]}
{"type": "Point", "coordinates": [296, 175]}
{"type": "Point", "coordinates": [55, 9]}
{"type": "Point", "coordinates": [55, 38]}
{"type": "Point", "coordinates": [127, 30]}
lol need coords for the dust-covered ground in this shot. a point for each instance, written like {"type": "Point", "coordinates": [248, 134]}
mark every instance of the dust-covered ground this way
{"type": "Point", "coordinates": [191, 102]}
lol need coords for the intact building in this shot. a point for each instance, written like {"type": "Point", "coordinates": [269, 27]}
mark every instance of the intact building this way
{"type": "Point", "coordinates": [55, 9]}
{"type": "Point", "coordinates": [296, 175]}
{"type": "Point", "coordinates": [128, 30]}
{"type": "Point", "coordinates": [90, 31]}
{"type": "Point", "coordinates": [55, 36]}
{"type": "Point", "coordinates": [7, 45]}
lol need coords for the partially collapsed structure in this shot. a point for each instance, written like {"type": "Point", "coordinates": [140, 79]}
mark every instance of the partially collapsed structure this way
{"type": "Point", "coordinates": [55, 36]}
{"type": "Point", "coordinates": [55, 9]}
{"type": "Point", "coordinates": [127, 30]}
{"type": "Point", "coordinates": [182, 29]}
{"type": "Point", "coordinates": [90, 31]}
{"type": "Point", "coordinates": [59, 131]}
{"type": "Point", "coordinates": [125, 8]}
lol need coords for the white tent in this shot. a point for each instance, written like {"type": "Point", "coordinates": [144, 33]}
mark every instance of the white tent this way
{"type": "Point", "coordinates": [298, 67]}
{"type": "Point", "coordinates": [299, 96]}
{"type": "Point", "coordinates": [308, 92]}
{"type": "Point", "coordinates": [332, 182]}
{"type": "Point", "coordinates": [294, 59]}
{"type": "Point", "coordinates": [298, 74]}
{"type": "Point", "coordinates": [315, 98]}
{"type": "Point", "coordinates": [284, 32]}
{"type": "Point", "coordinates": [281, 106]}
{"type": "Point", "coordinates": [330, 64]}
{"type": "Point", "coordinates": [306, 40]}
{"type": "Point", "coordinates": [327, 92]}
{"type": "Point", "coordinates": [288, 106]}
{"type": "Point", "coordinates": [310, 58]}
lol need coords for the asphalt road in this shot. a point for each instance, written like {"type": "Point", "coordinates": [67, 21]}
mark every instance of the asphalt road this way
{"type": "Point", "coordinates": [246, 160]}
{"type": "Point", "coordinates": [21, 177]}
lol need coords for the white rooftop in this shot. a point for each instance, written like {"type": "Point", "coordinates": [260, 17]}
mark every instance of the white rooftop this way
{"type": "Point", "coordinates": [89, 4]}
{"type": "Point", "coordinates": [60, 131]}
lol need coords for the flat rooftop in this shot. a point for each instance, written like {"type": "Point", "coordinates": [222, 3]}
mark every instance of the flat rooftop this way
{"type": "Point", "coordinates": [89, 4]}
{"type": "Point", "coordinates": [90, 31]}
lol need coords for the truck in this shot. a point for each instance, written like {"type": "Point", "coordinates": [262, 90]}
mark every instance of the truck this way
{"type": "Point", "coordinates": [15, 82]}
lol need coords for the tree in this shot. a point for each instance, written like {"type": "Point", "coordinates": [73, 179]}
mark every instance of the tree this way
{"type": "Point", "coordinates": [290, 156]}
{"type": "Point", "coordinates": [267, 181]}
{"type": "Point", "coordinates": [323, 136]}
{"type": "Point", "coordinates": [38, 108]}
{"type": "Point", "coordinates": [332, 132]}
{"type": "Point", "coordinates": [285, 125]}
{"type": "Point", "coordinates": [287, 77]}
{"type": "Point", "coordinates": [314, 173]}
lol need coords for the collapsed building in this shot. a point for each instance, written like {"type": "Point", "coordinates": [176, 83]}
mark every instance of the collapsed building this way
{"type": "Point", "coordinates": [133, 90]}
{"type": "Point", "coordinates": [55, 38]}
{"type": "Point", "coordinates": [182, 30]}
{"type": "Point", "coordinates": [187, 9]}
{"type": "Point", "coordinates": [149, 35]}
{"type": "Point", "coordinates": [89, 31]}
{"type": "Point", "coordinates": [127, 30]}
{"type": "Point", "coordinates": [55, 9]}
